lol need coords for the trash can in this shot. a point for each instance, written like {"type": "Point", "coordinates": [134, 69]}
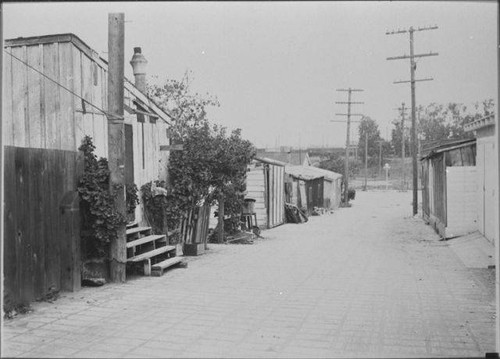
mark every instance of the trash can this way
{"type": "Point", "coordinates": [248, 206]}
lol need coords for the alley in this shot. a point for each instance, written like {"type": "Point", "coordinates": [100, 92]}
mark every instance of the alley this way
{"type": "Point", "coordinates": [366, 281]}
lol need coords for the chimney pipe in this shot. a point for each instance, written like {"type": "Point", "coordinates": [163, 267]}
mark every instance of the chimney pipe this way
{"type": "Point", "coordinates": [139, 63]}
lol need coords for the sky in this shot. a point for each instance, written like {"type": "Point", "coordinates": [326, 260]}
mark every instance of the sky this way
{"type": "Point", "coordinates": [275, 66]}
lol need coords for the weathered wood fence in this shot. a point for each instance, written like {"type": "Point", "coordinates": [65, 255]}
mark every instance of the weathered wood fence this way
{"type": "Point", "coordinates": [194, 225]}
{"type": "Point", "coordinates": [41, 228]}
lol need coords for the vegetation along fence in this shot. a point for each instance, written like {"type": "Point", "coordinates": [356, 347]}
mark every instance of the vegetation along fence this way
{"type": "Point", "coordinates": [42, 230]}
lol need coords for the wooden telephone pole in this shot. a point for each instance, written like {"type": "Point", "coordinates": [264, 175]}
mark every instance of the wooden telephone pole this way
{"type": "Point", "coordinates": [402, 110]}
{"type": "Point", "coordinates": [116, 138]}
{"type": "Point", "coordinates": [380, 142]}
{"type": "Point", "coordinates": [413, 67]}
{"type": "Point", "coordinates": [348, 114]}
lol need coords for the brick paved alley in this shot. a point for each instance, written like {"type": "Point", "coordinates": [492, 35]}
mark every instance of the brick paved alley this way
{"type": "Point", "coordinates": [367, 281]}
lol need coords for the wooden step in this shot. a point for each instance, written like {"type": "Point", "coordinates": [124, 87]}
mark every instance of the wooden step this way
{"type": "Point", "coordinates": [131, 224]}
{"type": "Point", "coordinates": [142, 240]}
{"type": "Point", "coordinates": [137, 230]}
{"type": "Point", "coordinates": [158, 268]}
{"type": "Point", "coordinates": [150, 254]}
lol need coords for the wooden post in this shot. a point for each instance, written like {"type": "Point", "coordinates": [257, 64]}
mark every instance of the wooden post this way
{"type": "Point", "coordinates": [116, 138]}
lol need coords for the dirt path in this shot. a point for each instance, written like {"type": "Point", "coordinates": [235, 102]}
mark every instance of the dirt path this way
{"type": "Point", "coordinates": [366, 281]}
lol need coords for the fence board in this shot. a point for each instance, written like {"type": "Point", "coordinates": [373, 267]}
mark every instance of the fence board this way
{"type": "Point", "coordinates": [34, 239]}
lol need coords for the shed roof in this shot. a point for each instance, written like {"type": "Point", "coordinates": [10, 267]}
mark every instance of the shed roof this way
{"type": "Point", "coordinates": [142, 100]}
{"type": "Point", "coordinates": [309, 172]}
{"type": "Point", "coordinates": [270, 161]}
{"type": "Point", "coordinates": [448, 146]}
{"type": "Point", "coordinates": [293, 157]}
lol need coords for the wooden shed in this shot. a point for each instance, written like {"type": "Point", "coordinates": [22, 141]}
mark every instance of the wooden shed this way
{"type": "Point", "coordinates": [314, 187]}
{"type": "Point", "coordinates": [55, 93]}
{"type": "Point", "coordinates": [487, 175]}
{"type": "Point", "coordinates": [449, 188]}
{"type": "Point", "coordinates": [266, 184]}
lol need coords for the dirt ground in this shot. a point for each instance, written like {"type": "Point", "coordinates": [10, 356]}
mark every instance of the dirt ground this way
{"type": "Point", "coordinates": [366, 281]}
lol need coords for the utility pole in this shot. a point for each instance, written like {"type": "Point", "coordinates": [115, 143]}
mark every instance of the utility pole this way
{"type": "Point", "coordinates": [380, 157]}
{"type": "Point", "coordinates": [366, 160]}
{"type": "Point", "coordinates": [402, 110]}
{"type": "Point", "coordinates": [116, 138]}
{"type": "Point", "coordinates": [413, 67]}
{"type": "Point", "coordinates": [348, 114]}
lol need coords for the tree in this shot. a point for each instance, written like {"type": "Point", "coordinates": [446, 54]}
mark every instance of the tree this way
{"type": "Point", "coordinates": [368, 127]}
{"type": "Point", "coordinates": [186, 108]}
{"type": "Point", "coordinates": [438, 122]}
{"type": "Point", "coordinates": [396, 138]}
{"type": "Point", "coordinates": [335, 163]}
{"type": "Point", "coordinates": [212, 165]}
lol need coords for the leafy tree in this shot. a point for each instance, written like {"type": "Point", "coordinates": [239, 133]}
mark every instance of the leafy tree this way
{"type": "Point", "coordinates": [186, 108]}
{"type": "Point", "coordinates": [212, 165]}
{"type": "Point", "coordinates": [368, 127]}
{"type": "Point", "coordinates": [396, 138]}
{"type": "Point", "coordinates": [336, 163]}
{"type": "Point", "coordinates": [437, 121]}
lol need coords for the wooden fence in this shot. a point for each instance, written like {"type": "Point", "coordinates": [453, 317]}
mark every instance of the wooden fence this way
{"type": "Point", "coordinates": [194, 225]}
{"type": "Point", "coordinates": [41, 228]}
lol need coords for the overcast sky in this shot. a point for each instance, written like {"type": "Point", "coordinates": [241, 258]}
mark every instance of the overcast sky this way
{"type": "Point", "coordinates": [275, 66]}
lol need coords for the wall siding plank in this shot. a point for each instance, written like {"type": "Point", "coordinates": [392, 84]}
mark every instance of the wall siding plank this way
{"type": "Point", "coordinates": [79, 132]}
{"type": "Point", "coordinates": [67, 109]}
{"type": "Point", "coordinates": [50, 69]}
{"type": "Point", "coordinates": [7, 125]}
{"type": "Point", "coordinates": [19, 98]}
{"type": "Point", "coordinates": [33, 86]}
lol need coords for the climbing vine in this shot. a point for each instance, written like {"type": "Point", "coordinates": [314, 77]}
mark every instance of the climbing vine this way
{"type": "Point", "coordinates": [100, 219]}
{"type": "Point", "coordinates": [162, 210]}
{"type": "Point", "coordinates": [131, 197]}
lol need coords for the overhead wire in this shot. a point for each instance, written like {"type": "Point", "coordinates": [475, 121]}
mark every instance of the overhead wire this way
{"type": "Point", "coordinates": [84, 101]}
{"type": "Point", "coordinates": [60, 85]}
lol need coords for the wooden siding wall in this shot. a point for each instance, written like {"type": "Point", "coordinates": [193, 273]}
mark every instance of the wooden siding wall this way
{"type": "Point", "coordinates": [487, 184]}
{"type": "Point", "coordinates": [42, 243]}
{"type": "Point", "coordinates": [462, 200]}
{"type": "Point", "coordinates": [256, 189]}
{"type": "Point", "coordinates": [314, 194]}
{"type": "Point", "coordinates": [329, 194]}
{"type": "Point", "coordinates": [40, 114]}
{"type": "Point", "coordinates": [439, 188]}
{"type": "Point", "coordinates": [275, 195]}
{"type": "Point", "coordinates": [425, 190]}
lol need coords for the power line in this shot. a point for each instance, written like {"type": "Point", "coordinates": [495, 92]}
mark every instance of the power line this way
{"type": "Point", "coordinates": [413, 67]}
{"type": "Point", "coordinates": [57, 83]}
{"type": "Point", "coordinates": [84, 101]}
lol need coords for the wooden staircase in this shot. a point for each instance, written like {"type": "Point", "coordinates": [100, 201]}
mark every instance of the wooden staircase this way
{"type": "Point", "coordinates": [150, 250]}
